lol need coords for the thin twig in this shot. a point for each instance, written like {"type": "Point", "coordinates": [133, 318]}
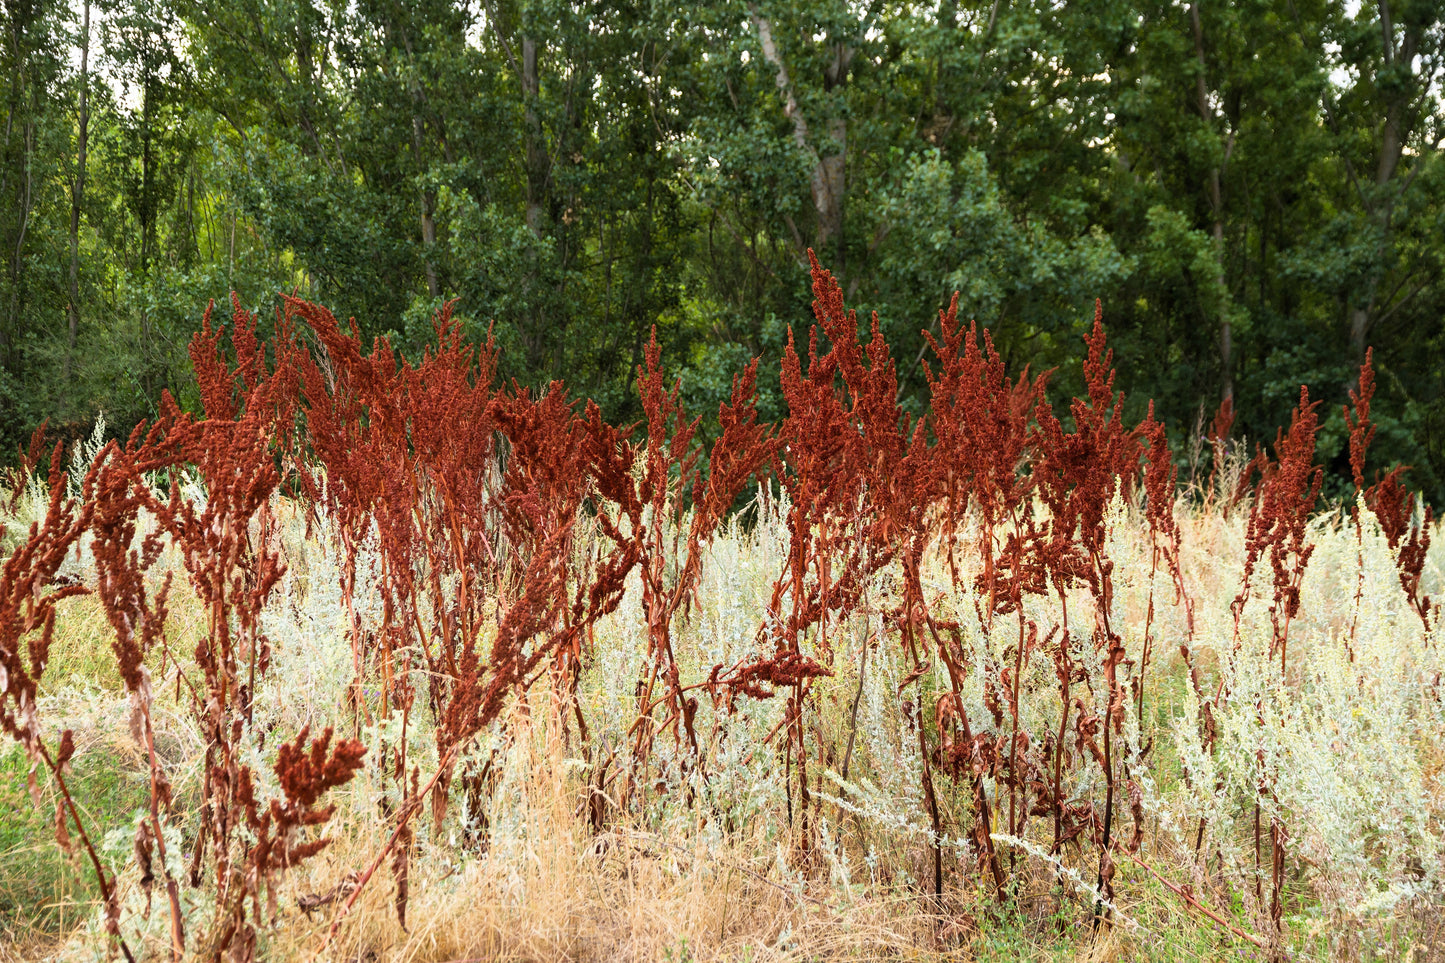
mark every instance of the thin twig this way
{"type": "Point", "coordinates": [1186, 893]}
{"type": "Point", "coordinates": [411, 810]}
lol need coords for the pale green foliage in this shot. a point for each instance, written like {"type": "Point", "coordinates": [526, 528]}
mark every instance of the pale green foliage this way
{"type": "Point", "coordinates": [1350, 751]}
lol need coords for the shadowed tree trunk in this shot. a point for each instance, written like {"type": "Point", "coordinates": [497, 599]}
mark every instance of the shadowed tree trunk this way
{"type": "Point", "coordinates": [828, 184]}
{"type": "Point", "coordinates": [77, 193]}
{"type": "Point", "coordinates": [1399, 122]}
{"type": "Point", "coordinates": [536, 150]}
{"type": "Point", "coordinates": [1216, 206]}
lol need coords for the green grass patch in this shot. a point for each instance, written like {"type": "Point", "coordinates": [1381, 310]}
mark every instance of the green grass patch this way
{"type": "Point", "coordinates": [44, 891]}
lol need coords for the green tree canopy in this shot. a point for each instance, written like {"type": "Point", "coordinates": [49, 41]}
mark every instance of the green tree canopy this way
{"type": "Point", "coordinates": [1254, 190]}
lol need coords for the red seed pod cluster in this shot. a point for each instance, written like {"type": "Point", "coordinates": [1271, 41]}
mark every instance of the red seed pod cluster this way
{"type": "Point", "coordinates": [1284, 500]}
{"type": "Point", "coordinates": [1409, 538]}
{"type": "Point", "coordinates": [1392, 505]}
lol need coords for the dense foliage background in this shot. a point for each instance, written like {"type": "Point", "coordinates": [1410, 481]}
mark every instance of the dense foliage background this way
{"type": "Point", "coordinates": [1254, 189]}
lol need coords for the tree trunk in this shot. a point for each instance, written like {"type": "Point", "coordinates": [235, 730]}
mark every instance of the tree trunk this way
{"type": "Point", "coordinates": [428, 207]}
{"type": "Point", "coordinates": [24, 206]}
{"type": "Point", "coordinates": [77, 194]}
{"type": "Point", "coordinates": [536, 151]}
{"type": "Point", "coordinates": [428, 194]}
{"type": "Point", "coordinates": [147, 216]}
{"type": "Point", "coordinates": [1216, 206]}
{"type": "Point", "coordinates": [1366, 310]}
{"type": "Point", "coordinates": [828, 184]}
{"type": "Point", "coordinates": [20, 111]}
{"type": "Point", "coordinates": [147, 175]}
{"type": "Point", "coordinates": [829, 187]}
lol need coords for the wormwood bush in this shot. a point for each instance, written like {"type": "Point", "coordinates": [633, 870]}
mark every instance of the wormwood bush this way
{"type": "Point", "coordinates": [307, 624]}
{"type": "Point", "coordinates": [984, 661]}
{"type": "Point", "coordinates": [1349, 747]}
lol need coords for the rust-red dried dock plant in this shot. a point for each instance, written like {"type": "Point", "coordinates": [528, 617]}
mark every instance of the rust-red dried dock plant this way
{"type": "Point", "coordinates": [1285, 497]}
{"type": "Point", "coordinates": [509, 522]}
{"type": "Point", "coordinates": [1392, 505]}
{"type": "Point", "coordinates": [1218, 438]}
{"type": "Point", "coordinates": [1362, 432]}
{"type": "Point", "coordinates": [1160, 490]}
{"type": "Point", "coordinates": [29, 596]}
{"type": "Point", "coordinates": [280, 826]}
{"type": "Point", "coordinates": [543, 487]}
{"type": "Point", "coordinates": [982, 421]}
{"type": "Point", "coordinates": [1408, 538]}
{"type": "Point", "coordinates": [138, 621]}
{"type": "Point", "coordinates": [16, 478]}
{"type": "Point", "coordinates": [1079, 474]}
{"type": "Point", "coordinates": [858, 481]}
{"type": "Point", "coordinates": [409, 452]}
{"type": "Point", "coordinates": [228, 547]}
{"type": "Point", "coordinates": [670, 473]}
